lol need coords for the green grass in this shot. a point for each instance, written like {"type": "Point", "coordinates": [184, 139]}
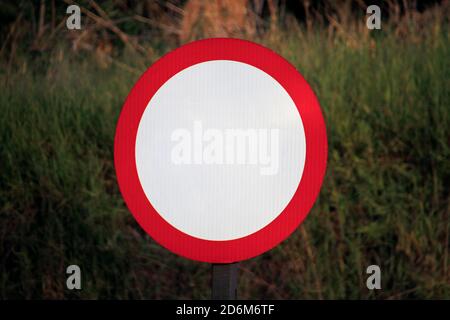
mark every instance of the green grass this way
{"type": "Point", "coordinates": [385, 199]}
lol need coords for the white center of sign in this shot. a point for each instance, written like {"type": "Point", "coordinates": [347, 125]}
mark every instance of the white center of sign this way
{"type": "Point", "coordinates": [220, 150]}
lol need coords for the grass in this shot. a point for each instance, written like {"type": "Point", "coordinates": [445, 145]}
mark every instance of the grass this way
{"type": "Point", "coordinates": [385, 198]}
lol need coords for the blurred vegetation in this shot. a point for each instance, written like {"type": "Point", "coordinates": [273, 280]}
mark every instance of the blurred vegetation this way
{"type": "Point", "coordinates": [385, 198]}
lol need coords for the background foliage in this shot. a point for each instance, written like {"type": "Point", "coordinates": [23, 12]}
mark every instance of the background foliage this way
{"type": "Point", "coordinates": [385, 198]}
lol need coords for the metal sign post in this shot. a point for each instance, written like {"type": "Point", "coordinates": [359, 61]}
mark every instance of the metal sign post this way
{"type": "Point", "coordinates": [224, 281]}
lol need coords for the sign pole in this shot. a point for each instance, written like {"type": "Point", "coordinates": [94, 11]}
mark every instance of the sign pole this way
{"type": "Point", "coordinates": [224, 281]}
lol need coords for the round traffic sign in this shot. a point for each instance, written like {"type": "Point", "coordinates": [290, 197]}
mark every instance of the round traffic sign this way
{"type": "Point", "coordinates": [220, 150]}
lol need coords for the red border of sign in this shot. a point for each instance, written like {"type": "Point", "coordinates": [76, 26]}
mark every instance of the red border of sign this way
{"type": "Point", "coordinates": [313, 173]}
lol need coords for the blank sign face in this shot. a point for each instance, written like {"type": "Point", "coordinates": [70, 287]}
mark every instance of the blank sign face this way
{"type": "Point", "coordinates": [220, 150]}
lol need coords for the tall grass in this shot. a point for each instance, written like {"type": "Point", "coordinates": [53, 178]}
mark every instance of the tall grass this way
{"type": "Point", "coordinates": [385, 199]}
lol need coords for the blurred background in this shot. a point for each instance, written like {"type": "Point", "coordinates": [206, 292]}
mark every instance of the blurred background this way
{"type": "Point", "coordinates": [386, 195]}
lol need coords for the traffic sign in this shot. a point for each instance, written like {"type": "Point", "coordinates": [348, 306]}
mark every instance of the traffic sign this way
{"type": "Point", "coordinates": [220, 150]}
